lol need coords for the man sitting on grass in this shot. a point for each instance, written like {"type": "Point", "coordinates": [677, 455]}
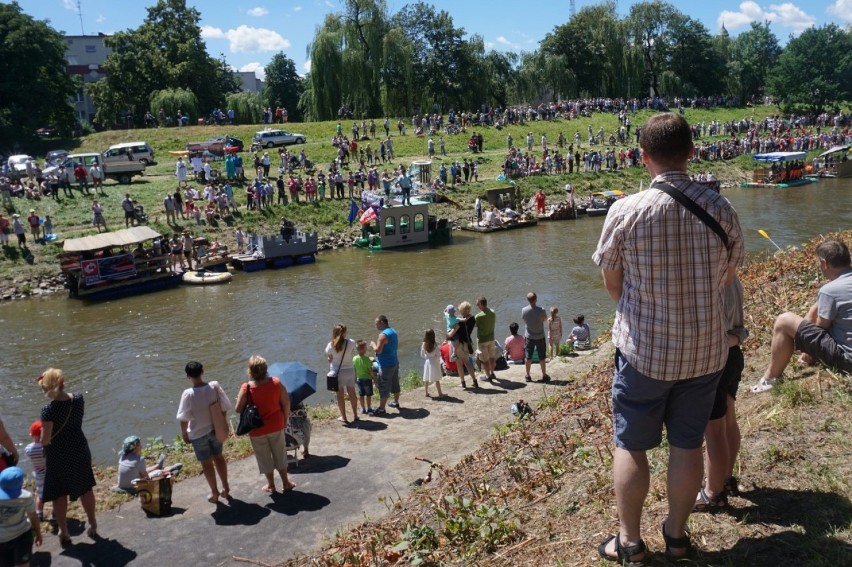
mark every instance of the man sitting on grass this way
{"type": "Point", "coordinates": [825, 333]}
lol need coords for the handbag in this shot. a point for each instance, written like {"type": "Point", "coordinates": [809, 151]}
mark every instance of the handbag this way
{"type": "Point", "coordinates": [217, 416]}
{"type": "Point", "coordinates": [250, 418]}
{"type": "Point", "coordinates": [331, 378]}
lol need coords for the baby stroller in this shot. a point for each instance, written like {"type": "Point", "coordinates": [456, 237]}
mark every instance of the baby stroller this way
{"type": "Point", "coordinates": [139, 214]}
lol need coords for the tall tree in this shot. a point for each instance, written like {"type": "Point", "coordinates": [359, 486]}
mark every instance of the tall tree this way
{"type": "Point", "coordinates": [694, 63]}
{"type": "Point", "coordinates": [166, 51]}
{"type": "Point", "coordinates": [34, 89]}
{"type": "Point", "coordinates": [283, 86]}
{"type": "Point", "coordinates": [649, 25]}
{"type": "Point", "coordinates": [814, 73]}
{"type": "Point", "coordinates": [755, 52]}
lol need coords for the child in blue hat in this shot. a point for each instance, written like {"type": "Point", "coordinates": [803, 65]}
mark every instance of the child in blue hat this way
{"type": "Point", "coordinates": [19, 525]}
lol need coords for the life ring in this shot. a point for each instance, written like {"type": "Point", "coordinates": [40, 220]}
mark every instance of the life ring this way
{"type": "Point", "coordinates": [203, 277]}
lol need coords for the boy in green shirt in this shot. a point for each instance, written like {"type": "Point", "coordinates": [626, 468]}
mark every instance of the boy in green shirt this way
{"type": "Point", "coordinates": [363, 377]}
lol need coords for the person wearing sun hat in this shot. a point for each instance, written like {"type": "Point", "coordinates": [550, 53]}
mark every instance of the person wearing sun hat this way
{"type": "Point", "coordinates": [19, 525]}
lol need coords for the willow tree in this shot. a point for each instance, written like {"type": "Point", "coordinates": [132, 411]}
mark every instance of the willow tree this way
{"type": "Point", "coordinates": [397, 73]}
{"type": "Point", "coordinates": [346, 62]}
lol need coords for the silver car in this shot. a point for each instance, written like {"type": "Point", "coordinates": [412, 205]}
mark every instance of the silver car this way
{"type": "Point", "coordinates": [271, 138]}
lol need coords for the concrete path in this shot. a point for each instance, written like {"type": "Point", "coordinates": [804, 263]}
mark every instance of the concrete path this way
{"type": "Point", "coordinates": [351, 471]}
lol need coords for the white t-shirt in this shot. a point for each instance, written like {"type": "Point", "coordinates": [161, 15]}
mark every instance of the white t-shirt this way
{"type": "Point", "coordinates": [13, 516]}
{"type": "Point", "coordinates": [334, 365]}
{"type": "Point", "coordinates": [195, 405]}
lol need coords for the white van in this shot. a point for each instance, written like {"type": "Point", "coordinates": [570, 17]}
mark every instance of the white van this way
{"type": "Point", "coordinates": [130, 151]}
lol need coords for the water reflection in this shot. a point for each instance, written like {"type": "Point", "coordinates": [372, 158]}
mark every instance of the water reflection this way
{"type": "Point", "coordinates": [128, 356]}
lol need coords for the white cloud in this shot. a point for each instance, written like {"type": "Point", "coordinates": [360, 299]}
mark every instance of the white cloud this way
{"type": "Point", "coordinates": [787, 15]}
{"type": "Point", "coordinates": [841, 9]}
{"type": "Point", "coordinates": [503, 41]}
{"type": "Point", "coordinates": [258, 12]}
{"type": "Point", "coordinates": [210, 32]}
{"type": "Point", "coordinates": [246, 39]}
{"type": "Point", "coordinates": [100, 19]}
{"type": "Point", "coordinates": [297, 8]}
{"type": "Point", "coordinates": [307, 66]}
{"type": "Point", "coordinates": [70, 5]}
{"type": "Point", "coordinates": [258, 69]}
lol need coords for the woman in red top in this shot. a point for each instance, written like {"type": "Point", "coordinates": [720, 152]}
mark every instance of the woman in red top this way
{"type": "Point", "coordinates": [273, 403]}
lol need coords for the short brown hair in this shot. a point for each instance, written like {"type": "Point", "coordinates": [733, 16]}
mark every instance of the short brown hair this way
{"type": "Point", "coordinates": [666, 138]}
{"type": "Point", "coordinates": [834, 252]}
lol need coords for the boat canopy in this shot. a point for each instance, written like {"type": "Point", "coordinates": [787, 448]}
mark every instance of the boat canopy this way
{"type": "Point", "coordinates": [125, 237]}
{"type": "Point", "coordinates": [836, 149]}
{"type": "Point", "coordinates": [613, 193]}
{"type": "Point", "coordinates": [779, 156]}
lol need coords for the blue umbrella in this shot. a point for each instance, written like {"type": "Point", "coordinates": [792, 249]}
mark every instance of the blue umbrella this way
{"type": "Point", "coordinates": [299, 380]}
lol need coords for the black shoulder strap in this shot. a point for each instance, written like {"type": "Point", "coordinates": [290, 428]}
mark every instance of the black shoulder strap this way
{"type": "Point", "coordinates": [695, 209]}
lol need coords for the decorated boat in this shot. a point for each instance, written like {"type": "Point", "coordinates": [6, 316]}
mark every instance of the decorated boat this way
{"type": "Point", "coordinates": [786, 169]}
{"type": "Point", "coordinates": [836, 162]}
{"type": "Point", "coordinates": [116, 264]}
{"type": "Point", "coordinates": [600, 202]}
{"type": "Point", "coordinates": [393, 225]}
{"type": "Point", "coordinates": [276, 252]}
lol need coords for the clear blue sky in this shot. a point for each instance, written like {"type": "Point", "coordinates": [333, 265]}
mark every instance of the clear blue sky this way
{"type": "Point", "coordinates": [249, 32]}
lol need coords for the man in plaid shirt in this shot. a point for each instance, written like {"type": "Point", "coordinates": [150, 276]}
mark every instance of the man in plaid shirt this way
{"type": "Point", "coordinates": [666, 269]}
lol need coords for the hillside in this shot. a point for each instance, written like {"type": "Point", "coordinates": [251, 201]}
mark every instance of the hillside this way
{"type": "Point", "coordinates": [72, 217]}
{"type": "Point", "coordinates": [540, 491]}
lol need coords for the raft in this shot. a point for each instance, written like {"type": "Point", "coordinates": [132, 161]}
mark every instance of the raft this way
{"type": "Point", "coordinates": [203, 277]}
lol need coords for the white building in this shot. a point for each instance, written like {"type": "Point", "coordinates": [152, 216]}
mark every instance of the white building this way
{"type": "Point", "coordinates": [85, 56]}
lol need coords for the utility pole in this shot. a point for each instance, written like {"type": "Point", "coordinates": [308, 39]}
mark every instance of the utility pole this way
{"type": "Point", "coordinates": [80, 13]}
{"type": "Point", "coordinates": [573, 8]}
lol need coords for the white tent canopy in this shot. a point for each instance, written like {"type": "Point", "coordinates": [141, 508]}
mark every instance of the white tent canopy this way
{"type": "Point", "coordinates": [779, 156]}
{"type": "Point", "coordinates": [835, 149]}
{"type": "Point", "coordinates": [125, 237]}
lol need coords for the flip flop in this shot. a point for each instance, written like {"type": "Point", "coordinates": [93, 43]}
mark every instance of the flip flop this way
{"type": "Point", "coordinates": [290, 486]}
{"type": "Point", "coordinates": [213, 499]}
{"type": "Point", "coordinates": [268, 489]}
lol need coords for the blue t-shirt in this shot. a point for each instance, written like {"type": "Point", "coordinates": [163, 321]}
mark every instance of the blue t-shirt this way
{"type": "Point", "coordinates": [388, 356]}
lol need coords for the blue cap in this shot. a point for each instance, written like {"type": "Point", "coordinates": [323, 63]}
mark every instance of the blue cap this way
{"type": "Point", "coordinates": [11, 481]}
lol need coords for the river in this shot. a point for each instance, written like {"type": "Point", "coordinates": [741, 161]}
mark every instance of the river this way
{"type": "Point", "coordinates": [127, 356]}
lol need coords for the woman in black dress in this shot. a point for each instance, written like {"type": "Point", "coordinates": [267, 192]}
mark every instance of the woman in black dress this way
{"type": "Point", "coordinates": [66, 452]}
{"type": "Point", "coordinates": [463, 331]}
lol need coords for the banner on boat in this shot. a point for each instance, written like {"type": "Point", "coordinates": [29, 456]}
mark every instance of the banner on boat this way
{"type": "Point", "coordinates": [112, 268]}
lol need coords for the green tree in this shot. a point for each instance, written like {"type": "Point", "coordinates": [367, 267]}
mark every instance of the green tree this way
{"type": "Point", "coordinates": [649, 25]}
{"type": "Point", "coordinates": [755, 52]}
{"type": "Point", "coordinates": [814, 73]}
{"type": "Point", "coordinates": [165, 52]}
{"type": "Point", "coordinates": [34, 89]}
{"type": "Point", "coordinates": [283, 86]}
{"type": "Point", "coordinates": [248, 107]}
{"type": "Point", "coordinates": [172, 100]}
{"type": "Point", "coordinates": [694, 64]}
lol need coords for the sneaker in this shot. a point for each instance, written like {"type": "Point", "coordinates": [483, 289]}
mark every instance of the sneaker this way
{"type": "Point", "coordinates": [492, 377]}
{"type": "Point", "coordinates": [545, 378]}
{"type": "Point", "coordinates": [379, 411]}
{"type": "Point", "coordinates": [371, 411]}
{"type": "Point", "coordinates": [763, 385]}
{"type": "Point", "coordinates": [393, 404]}
{"type": "Point", "coordinates": [528, 378]}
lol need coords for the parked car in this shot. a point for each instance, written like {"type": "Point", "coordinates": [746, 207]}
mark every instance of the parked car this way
{"type": "Point", "coordinates": [55, 157]}
{"type": "Point", "coordinates": [215, 146]}
{"type": "Point", "coordinates": [130, 151]}
{"type": "Point", "coordinates": [18, 166]}
{"type": "Point", "coordinates": [121, 170]}
{"type": "Point", "coordinates": [270, 138]}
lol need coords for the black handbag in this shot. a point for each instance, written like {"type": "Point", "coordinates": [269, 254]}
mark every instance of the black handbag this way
{"type": "Point", "coordinates": [331, 377]}
{"type": "Point", "coordinates": [250, 418]}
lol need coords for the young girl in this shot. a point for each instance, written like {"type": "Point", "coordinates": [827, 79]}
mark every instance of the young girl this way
{"type": "Point", "coordinates": [431, 354]}
{"type": "Point", "coordinates": [554, 328]}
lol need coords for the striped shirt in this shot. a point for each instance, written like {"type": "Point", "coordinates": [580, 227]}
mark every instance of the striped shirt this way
{"type": "Point", "coordinates": [670, 320]}
{"type": "Point", "coordinates": [35, 452]}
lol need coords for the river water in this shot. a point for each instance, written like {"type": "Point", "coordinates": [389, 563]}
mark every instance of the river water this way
{"type": "Point", "coordinates": [127, 356]}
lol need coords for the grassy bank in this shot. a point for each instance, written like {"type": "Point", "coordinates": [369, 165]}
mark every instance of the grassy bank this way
{"type": "Point", "coordinates": [72, 217]}
{"type": "Point", "coordinates": [540, 491]}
